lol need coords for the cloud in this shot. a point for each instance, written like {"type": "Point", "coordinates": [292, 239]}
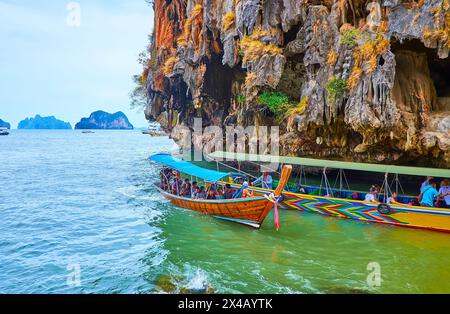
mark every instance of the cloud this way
{"type": "Point", "coordinates": [51, 68]}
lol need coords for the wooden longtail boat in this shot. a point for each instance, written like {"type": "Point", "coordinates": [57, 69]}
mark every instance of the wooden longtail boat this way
{"type": "Point", "coordinates": [403, 215]}
{"type": "Point", "coordinates": [247, 211]}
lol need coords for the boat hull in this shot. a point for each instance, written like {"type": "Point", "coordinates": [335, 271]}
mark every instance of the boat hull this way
{"type": "Point", "coordinates": [248, 211]}
{"type": "Point", "coordinates": [436, 219]}
{"type": "Point", "coordinates": [428, 218]}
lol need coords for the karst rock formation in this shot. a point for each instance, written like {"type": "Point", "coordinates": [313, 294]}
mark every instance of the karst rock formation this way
{"type": "Point", "coordinates": [365, 80]}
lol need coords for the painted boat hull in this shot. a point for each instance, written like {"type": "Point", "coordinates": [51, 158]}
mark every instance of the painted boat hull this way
{"type": "Point", "coordinates": [247, 211]}
{"type": "Point", "coordinates": [428, 218]}
{"type": "Point", "coordinates": [436, 219]}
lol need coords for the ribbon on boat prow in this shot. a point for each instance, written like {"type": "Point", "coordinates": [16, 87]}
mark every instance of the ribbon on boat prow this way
{"type": "Point", "coordinates": [271, 198]}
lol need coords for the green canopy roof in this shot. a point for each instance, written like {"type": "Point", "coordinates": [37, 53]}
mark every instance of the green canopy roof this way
{"type": "Point", "coordinates": [415, 171]}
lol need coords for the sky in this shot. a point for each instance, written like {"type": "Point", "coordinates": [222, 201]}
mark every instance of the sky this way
{"type": "Point", "coordinates": [70, 58]}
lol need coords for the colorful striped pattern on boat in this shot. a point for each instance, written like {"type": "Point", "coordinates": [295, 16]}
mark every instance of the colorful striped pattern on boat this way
{"type": "Point", "coordinates": [338, 208]}
{"type": "Point", "coordinates": [437, 219]}
{"type": "Point", "coordinates": [430, 218]}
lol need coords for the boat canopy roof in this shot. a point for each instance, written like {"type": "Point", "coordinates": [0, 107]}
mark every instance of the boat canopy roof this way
{"type": "Point", "coordinates": [191, 169]}
{"type": "Point", "coordinates": [415, 171]}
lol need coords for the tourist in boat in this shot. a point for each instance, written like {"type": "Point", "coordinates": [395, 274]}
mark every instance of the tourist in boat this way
{"type": "Point", "coordinates": [265, 180]}
{"type": "Point", "coordinates": [201, 194]}
{"type": "Point", "coordinates": [211, 194]}
{"type": "Point", "coordinates": [414, 202]}
{"type": "Point", "coordinates": [177, 182]}
{"type": "Point", "coordinates": [429, 194]}
{"type": "Point", "coordinates": [186, 189]}
{"type": "Point", "coordinates": [354, 196]}
{"type": "Point", "coordinates": [445, 191]}
{"type": "Point", "coordinates": [165, 177]}
{"type": "Point", "coordinates": [194, 189]}
{"type": "Point", "coordinates": [228, 193]}
{"type": "Point", "coordinates": [393, 199]}
{"type": "Point", "coordinates": [245, 191]}
{"type": "Point", "coordinates": [425, 183]}
{"type": "Point", "coordinates": [372, 196]}
{"type": "Point", "coordinates": [300, 189]}
{"type": "Point", "coordinates": [220, 194]}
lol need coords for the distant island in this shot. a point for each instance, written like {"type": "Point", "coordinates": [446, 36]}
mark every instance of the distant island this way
{"type": "Point", "coordinates": [43, 123]}
{"type": "Point", "coordinates": [106, 121]}
{"type": "Point", "coordinates": [4, 124]}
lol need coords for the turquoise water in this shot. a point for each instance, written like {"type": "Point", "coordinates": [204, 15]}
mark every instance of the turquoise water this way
{"type": "Point", "coordinates": [69, 198]}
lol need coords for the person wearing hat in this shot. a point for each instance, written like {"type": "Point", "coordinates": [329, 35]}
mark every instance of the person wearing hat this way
{"type": "Point", "coordinates": [245, 191]}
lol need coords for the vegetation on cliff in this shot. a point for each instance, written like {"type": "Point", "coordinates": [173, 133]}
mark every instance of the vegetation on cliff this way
{"type": "Point", "coordinates": [4, 124]}
{"type": "Point", "coordinates": [352, 79]}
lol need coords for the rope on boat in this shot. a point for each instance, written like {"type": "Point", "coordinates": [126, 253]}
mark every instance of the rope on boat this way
{"type": "Point", "coordinates": [301, 175]}
{"type": "Point", "coordinates": [341, 177]}
{"type": "Point", "coordinates": [274, 200]}
{"type": "Point", "coordinates": [228, 166]}
{"type": "Point", "coordinates": [398, 184]}
{"type": "Point", "coordinates": [386, 188]}
{"type": "Point", "coordinates": [324, 180]}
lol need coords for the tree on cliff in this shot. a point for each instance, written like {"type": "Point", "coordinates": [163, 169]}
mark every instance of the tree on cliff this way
{"type": "Point", "coordinates": [138, 96]}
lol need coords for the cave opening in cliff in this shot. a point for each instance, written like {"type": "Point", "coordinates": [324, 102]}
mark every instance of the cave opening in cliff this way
{"type": "Point", "coordinates": [294, 75]}
{"type": "Point", "coordinates": [181, 94]}
{"type": "Point", "coordinates": [218, 79]}
{"type": "Point", "coordinates": [422, 69]}
{"type": "Point", "coordinates": [294, 70]}
{"type": "Point", "coordinates": [291, 35]}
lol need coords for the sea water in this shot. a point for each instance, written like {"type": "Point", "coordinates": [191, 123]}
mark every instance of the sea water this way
{"type": "Point", "coordinates": [79, 215]}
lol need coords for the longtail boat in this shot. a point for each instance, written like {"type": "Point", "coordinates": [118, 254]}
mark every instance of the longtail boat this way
{"type": "Point", "coordinates": [338, 203]}
{"type": "Point", "coordinates": [248, 211]}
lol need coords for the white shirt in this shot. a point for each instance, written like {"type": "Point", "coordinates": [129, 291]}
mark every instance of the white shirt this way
{"type": "Point", "coordinates": [390, 200]}
{"type": "Point", "coordinates": [370, 197]}
{"type": "Point", "coordinates": [444, 190]}
{"type": "Point", "coordinates": [265, 185]}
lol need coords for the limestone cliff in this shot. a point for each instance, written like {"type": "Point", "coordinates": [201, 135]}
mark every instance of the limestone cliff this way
{"type": "Point", "coordinates": [105, 121]}
{"type": "Point", "coordinates": [4, 124]}
{"type": "Point", "coordinates": [342, 78]}
{"type": "Point", "coordinates": [43, 123]}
